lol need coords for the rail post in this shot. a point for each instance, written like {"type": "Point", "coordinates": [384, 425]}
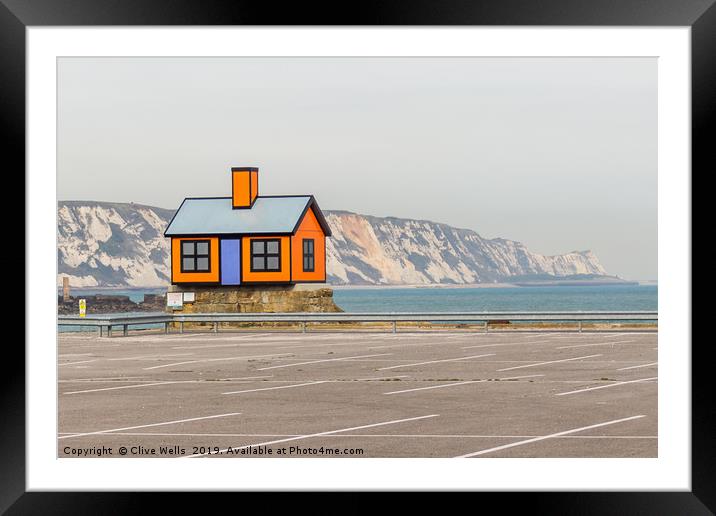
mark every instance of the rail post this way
{"type": "Point", "coordinates": [484, 325]}
{"type": "Point", "coordinates": [216, 327]}
{"type": "Point", "coordinates": [166, 327]}
{"type": "Point", "coordinates": [395, 327]}
{"type": "Point", "coordinates": [124, 329]}
{"type": "Point", "coordinates": [181, 326]}
{"type": "Point", "coordinates": [303, 326]}
{"type": "Point", "coordinates": [580, 326]}
{"type": "Point", "coordinates": [109, 330]}
{"type": "Point", "coordinates": [100, 330]}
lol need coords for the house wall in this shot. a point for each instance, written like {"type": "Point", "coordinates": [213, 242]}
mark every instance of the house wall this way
{"type": "Point", "coordinates": [284, 275]}
{"type": "Point", "coordinates": [195, 277]}
{"type": "Point", "coordinates": [309, 229]}
{"type": "Point", "coordinates": [224, 263]}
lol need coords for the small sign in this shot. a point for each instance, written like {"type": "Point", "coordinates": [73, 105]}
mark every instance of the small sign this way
{"type": "Point", "coordinates": [83, 307]}
{"type": "Point", "coordinates": [188, 297]}
{"type": "Point", "coordinates": [175, 300]}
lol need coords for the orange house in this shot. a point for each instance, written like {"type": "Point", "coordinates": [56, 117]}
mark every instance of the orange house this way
{"type": "Point", "coordinates": [248, 239]}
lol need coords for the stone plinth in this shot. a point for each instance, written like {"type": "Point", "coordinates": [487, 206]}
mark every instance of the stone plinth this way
{"type": "Point", "coordinates": [263, 298]}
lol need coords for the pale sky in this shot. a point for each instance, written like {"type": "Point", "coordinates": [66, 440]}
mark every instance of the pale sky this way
{"type": "Point", "coordinates": [557, 153]}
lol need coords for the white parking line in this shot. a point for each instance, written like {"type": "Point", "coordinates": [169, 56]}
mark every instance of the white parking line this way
{"type": "Point", "coordinates": [637, 366]}
{"type": "Point", "coordinates": [151, 424]}
{"type": "Point", "coordinates": [152, 356]}
{"type": "Point", "coordinates": [100, 378]}
{"type": "Point", "coordinates": [404, 345]}
{"type": "Point", "coordinates": [545, 363]}
{"type": "Point", "coordinates": [82, 362]}
{"type": "Point", "coordinates": [605, 343]}
{"type": "Point", "coordinates": [238, 340]}
{"type": "Point", "coordinates": [488, 345]}
{"type": "Point", "coordinates": [319, 434]}
{"type": "Point", "coordinates": [587, 335]}
{"type": "Point", "coordinates": [150, 384]}
{"type": "Point", "coordinates": [511, 344]}
{"type": "Point", "coordinates": [122, 387]}
{"type": "Point", "coordinates": [436, 361]}
{"type": "Point", "coordinates": [382, 378]}
{"type": "Point", "coordinates": [250, 377]}
{"type": "Point", "coordinates": [234, 345]}
{"type": "Point", "coordinates": [606, 386]}
{"type": "Point", "coordinates": [541, 438]}
{"type": "Point", "coordinates": [274, 388]}
{"type": "Point", "coordinates": [460, 383]}
{"type": "Point", "coordinates": [535, 335]}
{"type": "Point", "coordinates": [245, 344]}
{"type": "Point", "coordinates": [188, 334]}
{"type": "Point", "coordinates": [330, 344]}
{"type": "Point", "coordinates": [519, 377]}
{"type": "Point", "coordinates": [216, 360]}
{"type": "Point", "coordinates": [435, 387]}
{"type": "Point", "coordinates": [321, 361]}
{"type": "Point", "coordinates": [396, 436]}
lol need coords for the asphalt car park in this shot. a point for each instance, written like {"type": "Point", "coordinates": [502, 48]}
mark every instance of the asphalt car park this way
{"type": "Point", "coordinates": [353, 394]}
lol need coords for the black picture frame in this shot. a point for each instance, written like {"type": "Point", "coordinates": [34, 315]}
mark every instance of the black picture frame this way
{"type": "Point", "coordinates": [700, 15]}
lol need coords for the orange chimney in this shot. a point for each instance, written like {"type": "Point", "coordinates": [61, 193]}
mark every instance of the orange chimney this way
{"type": "Point", "coordinates": [244, 186]}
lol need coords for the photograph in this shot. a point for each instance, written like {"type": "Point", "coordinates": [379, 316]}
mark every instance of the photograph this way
{"type": "Point", "coordinates": [443, 257]}
{"type": "Point", "coordinates": [407, 247]}
{"type": "Point", "coordinates": [357, 257]}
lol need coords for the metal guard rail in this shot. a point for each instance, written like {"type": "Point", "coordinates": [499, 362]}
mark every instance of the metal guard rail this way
{"type": "Point", "coordinates": [107, 321]}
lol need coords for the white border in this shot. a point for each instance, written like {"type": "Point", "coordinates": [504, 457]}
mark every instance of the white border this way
{"type": "Point", "coordinates": [671, 471]}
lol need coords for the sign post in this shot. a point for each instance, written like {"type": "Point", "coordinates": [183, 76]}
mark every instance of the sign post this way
{"type": "Point", "coordinates": [65, 288]}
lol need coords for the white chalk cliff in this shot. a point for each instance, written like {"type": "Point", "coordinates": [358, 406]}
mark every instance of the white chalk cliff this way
{"type": "Point", "coordinates": [118, 244]}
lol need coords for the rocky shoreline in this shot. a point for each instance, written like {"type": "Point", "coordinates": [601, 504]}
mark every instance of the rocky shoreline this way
{"type": "Point", "coordinates": [102, 304]}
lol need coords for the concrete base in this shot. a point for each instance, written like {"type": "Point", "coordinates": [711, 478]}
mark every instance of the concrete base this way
{"type": "Point", "coordinates": [303, 297]}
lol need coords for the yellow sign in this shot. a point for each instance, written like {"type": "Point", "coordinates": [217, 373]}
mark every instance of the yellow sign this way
{"type": "Point", "coordinates": [83, 307]}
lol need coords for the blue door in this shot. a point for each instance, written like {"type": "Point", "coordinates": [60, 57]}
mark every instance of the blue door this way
{"type": "Point", "coordinates": [230, 261]}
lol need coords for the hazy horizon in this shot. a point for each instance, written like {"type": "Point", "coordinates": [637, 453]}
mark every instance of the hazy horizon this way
{"type": "Point", "coordinates": [556, 153]}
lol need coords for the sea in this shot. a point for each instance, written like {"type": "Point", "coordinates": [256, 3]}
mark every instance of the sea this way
{"type": "Point", "coordinates": [467, 299]}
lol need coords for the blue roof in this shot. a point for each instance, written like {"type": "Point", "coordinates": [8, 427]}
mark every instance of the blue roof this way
{"type": "Point", "coordinates": [215, 216]}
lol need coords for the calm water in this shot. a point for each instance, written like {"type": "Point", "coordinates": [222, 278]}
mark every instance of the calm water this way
{"type": "Point", "coordinates": [517, 299]}
{"type": "Point", "coordinates": [617, 298]}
